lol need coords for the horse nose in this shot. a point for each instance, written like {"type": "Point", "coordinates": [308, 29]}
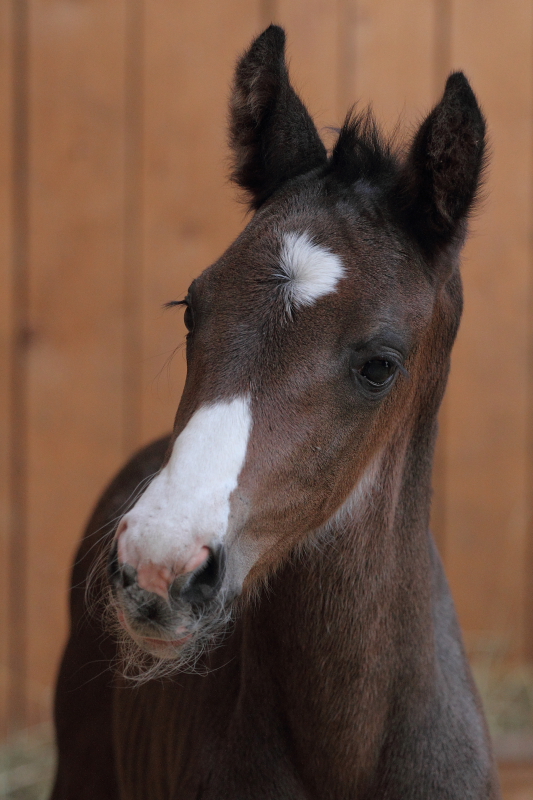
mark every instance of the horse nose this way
{"type": "Point", "coordinates": [196, 580]}
{"type": "Point", "coordinates": [203, 584]}
{"type": "Point", "coordinates": [164, 581]}
{"type": "Point", "coordinates": [157, 578]}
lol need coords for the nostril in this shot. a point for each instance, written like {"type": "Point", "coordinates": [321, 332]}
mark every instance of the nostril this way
{"type": "Point", "coordinates": [151, 611]}
{"type": "Point", "coordinates": [122, 575]}
{"type": "Point", "coordinates": [198, 559]}
{"type": "Point", "coordinates": [210, 573]}
{"type": "Point", "coordinates": [203, 585]}
{"type": "Point", "coordinates": [128, 575]}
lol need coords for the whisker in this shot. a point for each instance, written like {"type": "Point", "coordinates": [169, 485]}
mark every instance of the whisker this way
{"type": "Point", "coordinates": [208, 632]}
{"type": "Point", "coordinates": [132, 499]}
{"type": "Point", "coordinates": [98, 567]}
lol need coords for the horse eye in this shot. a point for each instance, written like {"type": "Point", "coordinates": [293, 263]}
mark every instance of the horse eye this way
{"type": "Point", "coordinates": [378, 371]}
{"type": "Point", "coordinates": [188, 318]}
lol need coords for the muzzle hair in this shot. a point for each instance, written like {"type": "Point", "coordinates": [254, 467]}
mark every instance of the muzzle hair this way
{"type": "Point", "coordinates": [209, 627]}
{"type": "Point", "coordinates": [103, 538]}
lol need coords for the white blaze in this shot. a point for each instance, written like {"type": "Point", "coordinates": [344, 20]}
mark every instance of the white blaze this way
{"type": "Point", "coordinates": [310, 271]}
{"type": "Point", "coordinates": [188, 504]}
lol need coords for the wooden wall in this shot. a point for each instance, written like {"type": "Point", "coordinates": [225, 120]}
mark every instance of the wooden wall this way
{"type": "Point", "coordinates": [113, 195]}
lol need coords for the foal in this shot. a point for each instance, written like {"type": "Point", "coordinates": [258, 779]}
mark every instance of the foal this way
{"type": "Point", "coordinates": [294, 493]}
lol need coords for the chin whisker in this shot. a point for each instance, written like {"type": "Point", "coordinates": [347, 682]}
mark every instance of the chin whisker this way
{"type": "Point", "coordinates": [208, 630]}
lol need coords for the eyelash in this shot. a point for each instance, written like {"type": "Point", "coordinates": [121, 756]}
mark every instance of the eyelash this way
{"type": "Point", "coordinates": [188, 315]}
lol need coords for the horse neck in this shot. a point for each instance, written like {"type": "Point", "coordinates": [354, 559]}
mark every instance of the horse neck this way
{"type": "Point", "coordinates": [350, 618]}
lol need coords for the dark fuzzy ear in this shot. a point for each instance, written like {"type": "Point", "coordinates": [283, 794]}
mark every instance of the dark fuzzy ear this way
{"type": "Point", "coordinates": [271, 132]}
{"type": "Point", "coordinates": [444, 167]}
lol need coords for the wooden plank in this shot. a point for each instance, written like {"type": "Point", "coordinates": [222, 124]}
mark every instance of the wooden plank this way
{"type": "Point", "coordinates": [390, 58]}
{"type": "Point", "coordinates": [6, 342]}
{"type": "Point", "coordinates": [488, 398]}
{"type": "Point", "coordinates": [189, 209]}
{"type": "Point", "coordinates": [516, 781]}
{"type": "Point", "coordinates": [133, 233]}
{"type": "Point", "coordinates": [313, 30]}
{"type": "Point", "coordinates": [18, 221]}
{"type": "Point", "coordinates": [76, 249]}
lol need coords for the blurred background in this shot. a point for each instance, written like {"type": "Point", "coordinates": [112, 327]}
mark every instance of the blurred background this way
{"type": "Point", "coordinates": [114, 195]}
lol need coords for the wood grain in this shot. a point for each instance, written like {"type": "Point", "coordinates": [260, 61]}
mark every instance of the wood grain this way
{"type": "Point", "coordinates": [516, 781]}
{"type": "Point", "coordinates": [313, 31]}
{"type": "Point", "coordinates": [489, 405]}
{"type": "Point", "coordinates": [392, 47]}
{"type": "Point", "coordinates": [6, 344]}
{"type": "Point", "coordinates": [76, 261]}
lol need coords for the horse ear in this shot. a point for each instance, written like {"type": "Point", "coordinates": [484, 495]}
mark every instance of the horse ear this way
{"type": "Point", "coordinates": [271, 132]}
{"type": "Point", "coordinates": [444, 167]}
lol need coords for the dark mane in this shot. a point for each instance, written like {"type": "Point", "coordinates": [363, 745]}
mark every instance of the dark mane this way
{"type": "Point", "coordinates": [363, 152]}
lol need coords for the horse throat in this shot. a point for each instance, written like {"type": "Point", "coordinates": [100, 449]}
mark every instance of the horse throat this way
{"type": "Point", "coordinates": [341, 629]}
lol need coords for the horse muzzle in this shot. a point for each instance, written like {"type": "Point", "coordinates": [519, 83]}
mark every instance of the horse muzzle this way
{"type": "Point", "coordinates": [161, 611]}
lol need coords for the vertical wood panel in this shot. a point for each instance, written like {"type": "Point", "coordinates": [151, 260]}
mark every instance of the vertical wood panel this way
{"type": "Point", "coordinates": [6, 333]}
{"type": "Point", "coordinates": [17, 559]}
{"type": "Point", "coordinates": [133, 222]}
{"type": "Point", "coordinates": [189, 209]}
{"type": "Point", "coordinates": [393, 52]}
{"type": "Point", "coordinates": [76, 298]}
{"type": "Point", "coordinates": [488, 407]}
{"type": "Point", "coordinates": [313, 31]}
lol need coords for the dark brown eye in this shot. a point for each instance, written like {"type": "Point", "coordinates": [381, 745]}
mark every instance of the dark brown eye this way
{"type": "Point", "coordinates": [378, 372]}
{"type": "Point", "coordinates": [188, 318]}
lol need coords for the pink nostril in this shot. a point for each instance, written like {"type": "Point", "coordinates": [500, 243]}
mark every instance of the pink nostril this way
{"type": "Point", "coordinates": [197, 560]}
{"type": "Point", "coordinates": [157, 579]}
{"type": "Point", "coordinates": [154, 579]}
